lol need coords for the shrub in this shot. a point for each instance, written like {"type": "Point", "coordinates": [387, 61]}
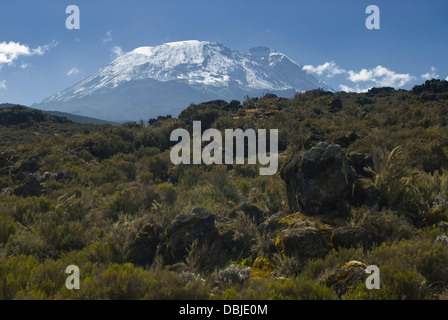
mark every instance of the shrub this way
{"type": "Point", "coordinates": [233, 275]}
{"type": "Point", "coordinates": [300, 288]}
{"type": "Point", "coordinates": [386, 224]}
{"type": "Point", "coordinates": [29, 243]}
{"type": "Point", "coordinates": [167, 192]}
{"type": "Point", "coordinates": [394, 184]}
{"type": "Point", "coordinates": [7, 229]}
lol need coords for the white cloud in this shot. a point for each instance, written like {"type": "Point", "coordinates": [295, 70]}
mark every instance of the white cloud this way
{"type": "Point", "coordinates": [430, 75]}
{"type": "Point", "coordinates": [72, 71]}
{"type": "Point", "coordinates": [356, 89]}
{"type": "Point", "coordinates": [11, 51]}
{"type": "Point", "coordinates": [363, 75]}
{"type": "Point", "coordinates": [40, 50]}
{"type": "Point", "coordinates": [108, 36]}
{"type": "Point", "coordinates": [380, 76]}
{"type": "Point", "coordinates": [24, 65]}
{"type": "Point", "coordinates": [117, 51]}
{"type": "Point", "coordinates": [3, 84]}
{"type": "Point", "coordinates": [446, 79]}
{"type": "Point", "coordinates": [330, 68]}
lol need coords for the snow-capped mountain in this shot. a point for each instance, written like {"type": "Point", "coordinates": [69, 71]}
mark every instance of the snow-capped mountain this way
{"type": "Point", "coordinates": [152, 81]}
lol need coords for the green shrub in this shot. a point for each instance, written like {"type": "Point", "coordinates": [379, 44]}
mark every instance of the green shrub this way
{"type": "Point", "coordinates": [300, 288]}
{"type": "Point", "coordinates": [243, 186]}
{"type": "Point", "coordinates": [167, 192]}
{"type": "Point", "coordinates": [7, 229]}
{"type": "Point", "coordinates": [29, 243]}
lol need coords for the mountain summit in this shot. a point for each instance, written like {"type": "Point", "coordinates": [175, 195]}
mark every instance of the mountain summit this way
{"type": "Point", "coordinates": [160, 80]}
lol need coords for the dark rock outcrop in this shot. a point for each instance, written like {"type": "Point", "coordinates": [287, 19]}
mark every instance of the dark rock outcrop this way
{"type": "Point", "coordinates": [199, 224]}
{"type": "Point", "coordinates": [352, 237]}
{"type": "Point", "coordinates": [273, 224]}
{"type": "Point", "coordinates": [303, 242]}
{"type": "Point", "coordinates": [346, 278]}
{"type": "Point", "coordinates": [227, 238]}
{"type": "Point", "coordinates": [29, 187]}
{"type": "Point", "coordinates": [345, 140]}
{"type": "Point", "coordinates": [324, 180]}
{"type": "Point", "coordinates": [4, 162]}
{"type": "Point", "coordinates": [320, 181]}
{"type": "Point", "coordinates": [311, 141]}
{"type": "Point", "coordinates": [29, 165]}
{"type": "Point", "coordinates": [252, 211]}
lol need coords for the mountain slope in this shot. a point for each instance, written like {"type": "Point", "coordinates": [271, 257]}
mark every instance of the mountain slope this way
{"type": "Point", "coordinates": [72, 117]}
{"type": "Point", "coordinates": [151, 81]}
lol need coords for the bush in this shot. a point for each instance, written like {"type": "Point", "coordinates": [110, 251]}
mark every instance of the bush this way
{"type": "Point", "coordinates": [29, 243]}
{"type": "Point", "coordinates": [233, 275]}
{"type": "Point", "coordinates": [167, 193]}
{"type": "Point", "coordinates": [300, 288]}
{"type": "Point", "coordinates": [7, 229]}
{"type": "Point", "coordinates": [386, 224]}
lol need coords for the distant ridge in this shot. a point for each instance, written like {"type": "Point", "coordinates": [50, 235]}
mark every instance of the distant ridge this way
{"type": "Point", "coordinates": [71, 117]}
{"type": "Point", "coordinates": [80, 119]}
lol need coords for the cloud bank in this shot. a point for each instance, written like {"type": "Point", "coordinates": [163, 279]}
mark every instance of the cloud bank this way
{"type": "Point", "coordinates": [364, 79]}
{"type": "Point", "coordinates": [11, 51]}
{"type": "Point", "coordinates": [329, 68]}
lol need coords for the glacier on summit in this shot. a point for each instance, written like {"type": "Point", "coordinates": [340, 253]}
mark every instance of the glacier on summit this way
{"type": "Point", "coordinates": [151, 81]}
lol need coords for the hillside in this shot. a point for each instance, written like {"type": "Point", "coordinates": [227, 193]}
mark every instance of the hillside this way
{"type": "Point", "coordinates": [19, 124]}
{"type": "Point", "coordinates": [362, 180]}
{"type": "Point", "coordinates": [72, 117]}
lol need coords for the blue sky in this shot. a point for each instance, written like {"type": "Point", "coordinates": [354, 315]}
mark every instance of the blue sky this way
{"type": "Point", "coordinates": [39, 56]}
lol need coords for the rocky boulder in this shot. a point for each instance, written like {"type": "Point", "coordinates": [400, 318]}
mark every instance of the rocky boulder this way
{"type": "Point", "coordinates": [30, 187]}
{"type": "Point", "coordinates": [4, 162]}
{"type": "Point", "coordinates": [29, 165]}
{"type": "Point", "coordinates": [319, 181]}
{"type": "Point", "coordinates": [345, 279]}
{"type": "Point", "coordinates": [199, 224]}
{"type": "Point", "coordinates": [352, 237]}
{"type": "Point", "coordinates": [345, 140]}
{"type": "Point", "coordinates": [303, 242]}
{"type": "Point", "coordinates": [273, 224]}
{"type": "Point", "coordinates": [311, 141]}
{"type": "Point", "coordinates": [227, 239]}
{"type": "Point", "coordinates": [250, 210]}
{"type": "Point", "coordinates": [324, 180]}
